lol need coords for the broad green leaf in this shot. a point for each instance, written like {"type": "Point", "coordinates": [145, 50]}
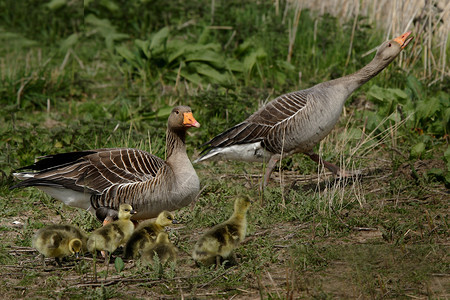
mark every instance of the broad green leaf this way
{"type": "Point", "coordinates": [209, 56]}
{"type": "Point", "coordinates": [210, 72]}
{"type": "Point", "coordinates": [415, 86]}
{"type": "Point", "coordinates": [164, 112]}
{"type": "Point", "coordinates": [234, 65]}
{"type": "Point", "coordinates": [56, 4]}
{"type": "Point", "coordinates": [417, 150]}
{"type": "Point", "coordinates": [129, 56]}
{"type": "Point", "coordinates": [110, 5]}
{"type": "Point", "coordinates": [69, 42]}
{"type": "Point", "coordinates": [399, 94]}
{"type": "Point", "coordinates": [192, 77]}
{"type": "Point", "coordinates": [377, 93]}
{"type": "Point", "coordinates": [119, 264]}
{"type": "Point", "coordinates": [427, 108]}
{"type": "Point", "coordinates": [251, 59]}
{"type": "Point", "coordinates": [159, 38]}
{"type": "Point", "coordinates": [144, 46]}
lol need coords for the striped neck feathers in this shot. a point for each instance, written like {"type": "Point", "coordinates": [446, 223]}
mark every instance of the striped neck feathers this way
{"type": "Point", "coordinates": [175, 142]}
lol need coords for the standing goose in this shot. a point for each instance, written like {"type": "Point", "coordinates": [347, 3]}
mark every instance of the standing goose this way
{"type": "Point", "coordinates": [104, 178]}
{"type": "Point", "coordinates": [297, 121]}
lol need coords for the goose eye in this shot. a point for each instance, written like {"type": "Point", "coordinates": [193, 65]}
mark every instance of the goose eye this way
{"type": "Point", "coordinates": [177, 112]}
{"type": "Point", "coordinates": [389, 44]}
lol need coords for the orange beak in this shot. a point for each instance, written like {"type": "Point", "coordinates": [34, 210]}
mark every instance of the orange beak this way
{"type": "Point", "coordinates": [189, 120]}
{"type": "Point", "coordinates": [403, 40]}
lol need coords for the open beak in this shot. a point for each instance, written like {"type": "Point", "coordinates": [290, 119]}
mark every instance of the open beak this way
{"type": "Point", "coordinates": [404, 39]}
{"type": "Point", "coordinates": [189, 120]}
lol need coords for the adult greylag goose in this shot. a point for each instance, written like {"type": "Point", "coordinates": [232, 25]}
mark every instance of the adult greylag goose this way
{"type": "Point", "coordinates": [105, 178]}
{"type": "Point", "coordinates": [297, 121]}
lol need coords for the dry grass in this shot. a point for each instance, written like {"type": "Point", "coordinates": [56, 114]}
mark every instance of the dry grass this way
{"type": "Point", "coordinates": [428, 20]}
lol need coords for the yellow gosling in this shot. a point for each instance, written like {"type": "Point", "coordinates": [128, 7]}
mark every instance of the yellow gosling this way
{"type": "Point", "coordinates": [112, 235]}
{"type": "Point", "coordinates": [146, 233]}
{"type": "Point", "coordinates": [163, 248]}
{"type": "Point", "coordinates": [59, 241]}
{"type": "Point", "coordinates": [218, 243]}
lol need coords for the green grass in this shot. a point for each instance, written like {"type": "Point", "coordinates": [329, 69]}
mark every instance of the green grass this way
{"type": "Point", "coordinates": [107, 77]}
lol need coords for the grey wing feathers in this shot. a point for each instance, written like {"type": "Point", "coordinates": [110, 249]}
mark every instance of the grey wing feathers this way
{"type": "Point", "coordinates": [258, 126]}
{"type": "Point", "coordinates": [98, 170]}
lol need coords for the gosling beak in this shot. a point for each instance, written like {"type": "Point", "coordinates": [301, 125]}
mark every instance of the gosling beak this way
{"type": "Point", "coordinates": [133, 211]}
{"type": "Point", "coordinates": [189, 120]}
{"type": "Point", "coordinates": [175, 221]}
{"type": "Point", "coordinates": [77, 255]}
{"type": "Point", "coordinates": [403, 40]}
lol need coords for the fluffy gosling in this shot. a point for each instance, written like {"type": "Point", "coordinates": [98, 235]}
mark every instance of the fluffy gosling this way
{"type": "Point", "coordinates": [162, 247]}
{"type": "Point", "coordinates": [112, 235]}
{"type": "Point", "coordinates": [218, 243]}
{"type": "Point", "coordinates": [59, 241]}
{"type": "Point", "coordinates": [146, 233]}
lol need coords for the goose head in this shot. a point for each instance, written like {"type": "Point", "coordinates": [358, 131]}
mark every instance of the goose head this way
{"type": "Point", "coordinates": [126, 211]}
{"type": "Point", "coordinates": [75, 246]}
{"type": "Point", "coordinates": [165, 218]}
{"type": "Point", "coordinates": [181, 118]}
{"type": "Point", "coordinates": [390, 49]}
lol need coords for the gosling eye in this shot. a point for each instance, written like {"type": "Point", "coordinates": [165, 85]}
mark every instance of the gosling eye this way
{"type": "Point", "coordinates": [169, 218]}
{"type": "Point", "coordinates": [177, 112]}
{"type": "Point", "coordinates": [389, 45]}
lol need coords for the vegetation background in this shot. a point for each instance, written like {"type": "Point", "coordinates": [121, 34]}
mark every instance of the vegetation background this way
{"type": "Point", "coordinates": [81, 75]}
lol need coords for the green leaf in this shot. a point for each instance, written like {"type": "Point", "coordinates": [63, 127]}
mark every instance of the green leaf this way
{"type": "Point", "coordinates": [210, 72]}
{"type": "Point", "coordinates": [192, 77]}
{"type": "Point", "coordinates": [417, 150]}
{"type": "Point", "coordinates": [118, 264]}
{"type": "Point", "coordinates": [144, 46]}
{"type": "Point", "coordinates": [427, 108]}
{"type": "Point", "coordinates": [164, 112]}
{"type": "Point", "coordinates": [376, 93]}
{"type": "Point", "coordinates": [414, 84]}
{"type": "Point", "coordinates": [56, 4]}
{"type": "Point", "coordinates": [208, 56]}
{"type": "Point", "coordinates": [69, 42]}
{"type": "Point", "coordinates": [251, 59]}
{"type": "Point", "coordinates": [234, 65]}
{"type": "Point", "coordinates": [159, 38]}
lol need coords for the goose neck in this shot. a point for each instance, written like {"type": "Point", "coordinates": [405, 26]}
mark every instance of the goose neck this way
{"type": "Point", "coordinates": [357, 79]}
{"type": "Point", "coordinates": [175, 142]}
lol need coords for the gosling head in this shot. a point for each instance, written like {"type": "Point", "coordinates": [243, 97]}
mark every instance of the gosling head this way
{"type": "Point", "coordinates": [75, 246]}
{"type": "Point", "coordinates": [162, 238]}
{"type": "Point", "coordinates": [126, 211]}
{"type": "Point", "coordinates": [165, 218]}
{"type": "Point", "coordinates": [242, 204]}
